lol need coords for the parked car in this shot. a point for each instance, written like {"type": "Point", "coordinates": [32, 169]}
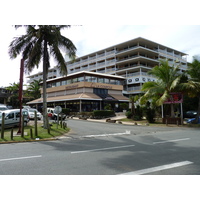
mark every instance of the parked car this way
{"type": "Point", "coordinates": [12, 118]}
{"type": "Point", "coordinates": [190, 121]}
{"type": "Point", "coordinates": [3, 107]}
{"type": "Point", "coordinates": [31, 113]}
{"type": "Point", "coordinates": [53, 115]}
{"type": "Point", "coordinates": [190, 114]}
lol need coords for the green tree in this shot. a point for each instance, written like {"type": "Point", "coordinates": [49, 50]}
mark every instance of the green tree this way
{"type": "Point", "coordinates": [167, 81]}
{"type": "Point", "coordinates": [33, 89]}
{"type": "Point", "coordinates": [192, 86]}
{"type": "Point", "coordinates": [38, 44]}
{"type": "Point", "coordinates": [14, 91]}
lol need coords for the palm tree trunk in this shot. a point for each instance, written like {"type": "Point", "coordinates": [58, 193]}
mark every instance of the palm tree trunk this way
{"type": "Point", "coordinates": [45, 71]}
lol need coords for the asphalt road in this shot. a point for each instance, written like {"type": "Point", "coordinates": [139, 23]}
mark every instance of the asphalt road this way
{"type": "Point", "coordinates": [93, 148]}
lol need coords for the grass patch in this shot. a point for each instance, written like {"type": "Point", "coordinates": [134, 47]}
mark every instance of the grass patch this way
{"type": "Point", "coordinates": [42, 133]}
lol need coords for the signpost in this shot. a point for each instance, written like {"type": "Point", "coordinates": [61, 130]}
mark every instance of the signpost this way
{"type": "Point", "coordinates": [175, 98]}
{"type": "Point", "coordinates": [58, 110]}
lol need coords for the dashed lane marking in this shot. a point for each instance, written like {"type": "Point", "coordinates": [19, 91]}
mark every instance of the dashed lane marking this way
{"type": "Point", "coordinates": [159, 168]}
{"type": "Point", "coordinates": [20, 158]}
{"type": "Point", "coordinates": [102, 149]}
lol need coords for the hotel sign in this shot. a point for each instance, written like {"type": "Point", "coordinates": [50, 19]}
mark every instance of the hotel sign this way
{"type": "Point", "coordinates": [88, 84]}
{"type": "Point", "coordinates": [174, 98]}
{"type": "Point", "coordinates": [103, 86]}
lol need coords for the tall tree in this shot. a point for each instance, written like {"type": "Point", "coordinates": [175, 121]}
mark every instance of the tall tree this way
{"type": "Point", "coordinates": [192, 86]}
{"type": "Point", "coordinates": [167, 81]}
{"type": "Point", "coordinates": [38, 44]}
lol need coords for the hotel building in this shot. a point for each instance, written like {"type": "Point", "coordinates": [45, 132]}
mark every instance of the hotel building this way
{"type": "Point", "coordinates": [132, 60]}
{"type": "Point", "coordinates": [127, 63]}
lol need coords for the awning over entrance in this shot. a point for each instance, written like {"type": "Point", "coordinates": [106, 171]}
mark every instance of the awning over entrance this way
{"type": "Point", "coordinates": [82, 96]}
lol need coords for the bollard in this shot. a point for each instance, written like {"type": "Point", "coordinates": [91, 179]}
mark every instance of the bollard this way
{"type": "Point", "coordinates": [2, 125]}
{"type": "Point", "coordinates": [11, 134]}
{"type": "Point", "coordinates": [63, 125]}
{"type": "Point", "coordinates": [35, 124]}
{"type": "Point", "coordinates": [31, 133]}
{"type": "Point", "coordinates": [61, 120]}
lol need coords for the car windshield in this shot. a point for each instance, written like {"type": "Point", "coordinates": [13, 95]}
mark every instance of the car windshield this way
{"type": "Point", "coordinates": [3, 108]}
{"type": "Point", "coordinates": [32, 110]}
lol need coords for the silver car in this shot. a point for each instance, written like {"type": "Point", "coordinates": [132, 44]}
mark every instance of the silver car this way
{"type": "Point", "coordinates": [12, 118]}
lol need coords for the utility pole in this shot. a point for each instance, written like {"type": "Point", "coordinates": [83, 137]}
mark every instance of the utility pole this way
{"type": "Point", "coordinates": [20, 95]}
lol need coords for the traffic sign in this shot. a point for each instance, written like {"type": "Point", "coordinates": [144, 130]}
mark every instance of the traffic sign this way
{"type": "Point", "coordinates": [57, 110]}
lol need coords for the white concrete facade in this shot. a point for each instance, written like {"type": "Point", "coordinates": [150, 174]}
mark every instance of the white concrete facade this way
{"type": "Point", "coordinates": [131, 59]}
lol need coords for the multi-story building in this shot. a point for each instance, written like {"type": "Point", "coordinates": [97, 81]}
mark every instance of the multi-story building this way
{"type": "Point", "coordinates": [52, 73]}
{"type": "Point", "coordinates": [131, 59]}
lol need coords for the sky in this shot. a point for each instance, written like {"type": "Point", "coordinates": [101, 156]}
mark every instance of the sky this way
{"type": "Point", "coordinates": [174, 23]}
{"type": "Point", "coordinates": [90, 38]}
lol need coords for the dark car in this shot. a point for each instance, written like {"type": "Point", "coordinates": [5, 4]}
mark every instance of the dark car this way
{"type": "Point", "coordinates": [190, 114]}
{"type": "Point", "coordinates": [191, 121]}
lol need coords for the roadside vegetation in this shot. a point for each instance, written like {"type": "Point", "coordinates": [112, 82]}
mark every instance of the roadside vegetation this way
{"type": "Point", "coordinates": [55, 131]}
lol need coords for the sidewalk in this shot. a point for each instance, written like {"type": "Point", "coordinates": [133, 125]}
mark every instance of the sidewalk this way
{"type": "Point", "coordinates": [117, 117]}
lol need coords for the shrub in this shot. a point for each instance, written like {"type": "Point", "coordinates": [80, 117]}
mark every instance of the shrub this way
{"type": "Point", "coordinates": [66, 111]}
{"type": "Point", "coordinates": [129, 114]}
{"type": "Point", "coordinates": [103, 113]}
{"type": "Point", "coordinates": [150, 114]}
{"type": "Point", "coordinates": [138, 113]}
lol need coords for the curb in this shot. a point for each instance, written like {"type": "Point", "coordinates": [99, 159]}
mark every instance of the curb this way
{"type": "Point", "coordinates": [12, 142]}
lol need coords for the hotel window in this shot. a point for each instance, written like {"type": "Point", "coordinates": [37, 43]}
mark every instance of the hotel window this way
{"type": "Point", "coordinates": [94, 79]}
{"type": "Point", "coordinates": [101, 80]}
{"type": "Point", "coordinates": [106, 80]}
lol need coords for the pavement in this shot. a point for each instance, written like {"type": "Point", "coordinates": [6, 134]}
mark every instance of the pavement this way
{"type": "Point", "coordinates": [117, 117]}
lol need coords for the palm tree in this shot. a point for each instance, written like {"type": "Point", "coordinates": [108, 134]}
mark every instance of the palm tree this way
{"type": "Point", "coordinates": [192, 86]}
{"type": "Point", "coordinates": [167, 82]}
{"type": "Point", "coordinates": [38, 44]}
{"type": "Point", "coordinates": [33, 89]}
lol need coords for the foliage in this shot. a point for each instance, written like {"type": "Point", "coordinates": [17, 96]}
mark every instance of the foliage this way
{"type": "Point", "coordinates": [39, 42]}
{"type": "Point", "coordinates": [66, 111]}
{"type": "Point", "coordinates": [149, 112]}
{"type": "Point", "coordinates": [103, 113]}
{"type": "Point", "coordinates": [124, 106]}
{"type": "Point", "coordinates": [192, 86]}
{"type": "Point", "coordinates": [129, 114]}
{"type": "Point", "coordinates": [138, 113]}
{"type": "Point", "coordinates": [33, 89]}
{"type": "Point", "coordinates": [42, 134]}
{"type": "Point", "coordinates": [108, 107]}
{"type": "Point", "coordinates": [167, 81]}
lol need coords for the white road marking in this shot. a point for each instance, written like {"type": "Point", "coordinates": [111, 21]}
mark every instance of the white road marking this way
{"type": "Point", "coordinates": [109, 134]}
{"type": "Point", "coordinates": [20, 158]}
{"type": "Point", "coordinates": [177, 140]}
{"type": "Point", "coordinates": [159, 168]}
{"type": "Point", "coordinates": [102, 149]}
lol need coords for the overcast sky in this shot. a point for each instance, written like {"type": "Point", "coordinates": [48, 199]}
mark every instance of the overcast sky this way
{"type": "Point", "coordinates": [90, 38]}
{"type": "Point", "coordinates": [102, 26]}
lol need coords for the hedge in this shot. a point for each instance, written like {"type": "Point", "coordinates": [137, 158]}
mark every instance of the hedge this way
{"type": "Point", "coordinates": [103, 113]}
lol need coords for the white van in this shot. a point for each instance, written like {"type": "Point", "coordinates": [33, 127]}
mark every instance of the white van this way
{"type": "Point", "coordinates": [3, 107]}
{"type": "Point", "coordinates": [12, 118]}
